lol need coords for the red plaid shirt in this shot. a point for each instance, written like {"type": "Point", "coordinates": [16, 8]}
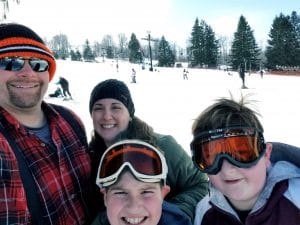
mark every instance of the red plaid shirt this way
{"type": "Point", "coordinates": [61, 172]}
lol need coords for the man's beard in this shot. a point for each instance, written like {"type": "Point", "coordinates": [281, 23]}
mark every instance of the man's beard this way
{"type": "Point", "coordinates": [25, 101]}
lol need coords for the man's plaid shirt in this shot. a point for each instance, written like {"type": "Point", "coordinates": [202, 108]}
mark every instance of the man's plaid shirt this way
{"type": "Point", "coordinates": [61, 172]}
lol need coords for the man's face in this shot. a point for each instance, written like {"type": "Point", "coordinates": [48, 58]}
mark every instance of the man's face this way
{"type": "Point", "coordinates": [23, 89]}
{"type": "Point", "coordinates": [130, 201]}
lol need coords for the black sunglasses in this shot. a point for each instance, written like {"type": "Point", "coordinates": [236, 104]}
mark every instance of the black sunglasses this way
{"type": "Point", "coordinates": [17, 63]}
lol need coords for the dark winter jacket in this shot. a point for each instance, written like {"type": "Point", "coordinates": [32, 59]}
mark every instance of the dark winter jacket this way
{"type": "Point", "coordinates": [281, 151]}
{"type": "Point", "coordinates": [278, 203]}
{"type": "Point", "coordinates": [63, 83]}
{"type": "Point", "coordinates": [188, 185]}
{"type": "Point", "coordinates": [171, 215]}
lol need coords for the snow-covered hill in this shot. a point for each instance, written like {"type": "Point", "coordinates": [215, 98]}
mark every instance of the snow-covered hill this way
{"type": "Point", "coordinates": [170, 104]}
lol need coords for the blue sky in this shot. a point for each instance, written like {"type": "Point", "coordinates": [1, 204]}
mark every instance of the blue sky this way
{"type": "Point", "coordinates": [174, 19]}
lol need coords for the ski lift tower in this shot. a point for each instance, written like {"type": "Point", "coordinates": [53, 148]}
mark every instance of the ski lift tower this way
{"type": "Point", "coordinates": [148, 38]}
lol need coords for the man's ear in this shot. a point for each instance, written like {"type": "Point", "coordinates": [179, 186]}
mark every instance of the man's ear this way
{"type": "Point", "coordinates": [165, 190]}
{"type": "Point", "coordinates": [268, 152]}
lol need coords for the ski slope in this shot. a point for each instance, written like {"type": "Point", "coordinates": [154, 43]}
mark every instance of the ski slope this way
{"type": "Point", "coordinates": [170, 104]}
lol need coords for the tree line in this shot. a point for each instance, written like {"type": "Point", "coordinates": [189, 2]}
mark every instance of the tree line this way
{"type": "Point", "coordinates": [204, 48]}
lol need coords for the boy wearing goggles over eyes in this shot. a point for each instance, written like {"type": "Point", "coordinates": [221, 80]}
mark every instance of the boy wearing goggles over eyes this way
{"type": "Point", "coordinates": [132, 178]}
{"type": "Point", "coordinates": [246, 188]}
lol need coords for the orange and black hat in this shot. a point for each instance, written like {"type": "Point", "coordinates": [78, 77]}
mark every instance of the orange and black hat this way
{"type": "Point", "coordinates": [19, 40]}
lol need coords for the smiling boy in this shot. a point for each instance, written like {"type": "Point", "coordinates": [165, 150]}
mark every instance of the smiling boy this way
{"type": "Point", "coordinates": [132, 178]}
{"type": "Point", "coordinates": [246, 188]}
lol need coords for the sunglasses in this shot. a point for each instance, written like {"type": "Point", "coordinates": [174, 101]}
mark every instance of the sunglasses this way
{"type": "Point", "coordinates": [145, 162]}
{"type": "Point", "coordinates": [17, 63]}
{"type": "Point", "coordinates": [241, 146]}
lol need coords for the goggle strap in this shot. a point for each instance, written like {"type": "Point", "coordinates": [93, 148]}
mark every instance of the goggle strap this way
{"type": "Point", "coordinates": [107, 181]}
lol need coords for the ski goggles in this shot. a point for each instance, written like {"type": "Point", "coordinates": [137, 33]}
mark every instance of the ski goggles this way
{"type": "Point", "coordinates": [145, 162]}
{"type": "Point", "coordinates": [241, 146]}
{"type": "Point", "coordinates": [17, 63]}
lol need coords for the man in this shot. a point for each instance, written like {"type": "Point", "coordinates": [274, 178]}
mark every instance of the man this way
{"type": "Point", "coordinates": [39, 148]}
{"type": "Point", "coordinates": [65, 87]}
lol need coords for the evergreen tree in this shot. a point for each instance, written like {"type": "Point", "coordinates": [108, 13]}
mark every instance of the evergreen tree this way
{"type": "Point", "coordinates": [195, 51]}
{"type": "Point", "coordinates": [295, 20]}
{"type": "Point", "coordinates": [75, 56]}
{"type": "Point", "coordinates": [87, 52]}
{"type": "Point", "coordinates": [211, 47]}
{"type": "Point", "coordinates": [134, 47]}
{"type": "Point", "coordinates": [165, 55]}
{"type": "Point", "coordinates": [283, 47]}
{"type": "Point", "coordinates": [204, 46]}
{"type": "Point", "coordinates": [244, 50]}
{"type": "Point", "coordinates": [78, 55]}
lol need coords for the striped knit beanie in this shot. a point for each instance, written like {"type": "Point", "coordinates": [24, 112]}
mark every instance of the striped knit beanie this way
{"type": "Point", "coordinates": [19, 40]}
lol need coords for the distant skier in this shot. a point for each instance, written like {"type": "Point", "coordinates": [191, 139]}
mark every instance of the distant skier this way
{"type": "Point", "coordinates": [242, 75]}
{"type": "Point", "coordinates": [133, 76]}
{"type": "Point", "coordinates": [65, 87]}
{"type": "Point", "coordinates": [261, 74]}
{"type": "Point", "coordinates": [57, 93]}
{"type": "Point", "coordinates": [117, 67]}
{"type": "Point", "coordinates": [185, 74]}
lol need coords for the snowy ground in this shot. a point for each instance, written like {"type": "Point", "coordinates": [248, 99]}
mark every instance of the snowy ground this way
{"type": "Point", "coordinates": [170, 104]}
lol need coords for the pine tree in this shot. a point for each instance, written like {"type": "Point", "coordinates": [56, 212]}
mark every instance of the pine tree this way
{"type": "Point", "coordinates": [196, 45]}
{"type": "Point", "coordinates": [165, 55]}
{"type": "Point", "coordinates": [295, 20]}
{"type": "Point", "coordinates": [211, 47]}
{"type": "Point", "coordinates": [75, 56]}
{"type": "Point", "coordinates": [78, 55]}
{"type": "Point", "coordinates": [87, 52]}
{"type": "Point", "coordinates": [283, 47]}
{"type": "Point", "coordinates": [244, 50]}
{"type": "Point", "coordinates": [204, 46]}
{"type": "Point", "coordinates": [135, 55]}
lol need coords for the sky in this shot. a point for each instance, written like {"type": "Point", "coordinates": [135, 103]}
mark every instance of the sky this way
{"type": "Point", "coordinates": [91, 19]}
{"type": "Point", "coordinates": [170, 104]}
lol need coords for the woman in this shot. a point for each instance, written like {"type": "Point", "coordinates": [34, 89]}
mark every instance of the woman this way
{"type": "Point", "coordinates": [112, 111]}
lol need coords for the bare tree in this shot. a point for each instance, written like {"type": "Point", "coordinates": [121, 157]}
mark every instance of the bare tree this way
{"type": "Point", "coordinates": [60, 46]}
{"type": "Point", "coordinates": [108, 46]}
{"type": "Point", "coordinates": [4, 7]}
{"type": "Point", "coordinates": [122, 45]}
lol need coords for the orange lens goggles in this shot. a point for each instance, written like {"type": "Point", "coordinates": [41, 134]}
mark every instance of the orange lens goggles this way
{"type": "Point", "coordinates": [240, 146]}
{"type": "Point", "coordinates": [144, 161]}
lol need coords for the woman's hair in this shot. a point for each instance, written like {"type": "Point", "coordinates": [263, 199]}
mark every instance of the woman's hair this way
{"type": "Point", "coordinates": [137, 129]}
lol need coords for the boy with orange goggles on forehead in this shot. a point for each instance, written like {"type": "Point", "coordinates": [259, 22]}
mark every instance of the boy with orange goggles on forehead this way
{"type": "Point", "coordinates": [246, 188]}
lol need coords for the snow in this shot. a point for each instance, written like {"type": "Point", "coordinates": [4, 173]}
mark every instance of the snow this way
{"type": "Point", "coordinates": [170, 104]}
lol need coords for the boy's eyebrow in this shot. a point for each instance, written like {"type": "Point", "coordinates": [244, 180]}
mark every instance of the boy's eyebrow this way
{"type": "Point", "coordinates": [146, 186]}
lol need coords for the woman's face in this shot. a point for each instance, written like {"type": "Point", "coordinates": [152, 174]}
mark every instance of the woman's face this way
{"type": "Point", "coordinates": [110, 117]}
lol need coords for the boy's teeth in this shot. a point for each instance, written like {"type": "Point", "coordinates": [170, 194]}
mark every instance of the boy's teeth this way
{"type": "Point", "coordinates": [134, 220]}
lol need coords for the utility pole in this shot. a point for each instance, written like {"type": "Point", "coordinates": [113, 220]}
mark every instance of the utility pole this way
{"type": "Point", "coordinates": [148, 38]}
